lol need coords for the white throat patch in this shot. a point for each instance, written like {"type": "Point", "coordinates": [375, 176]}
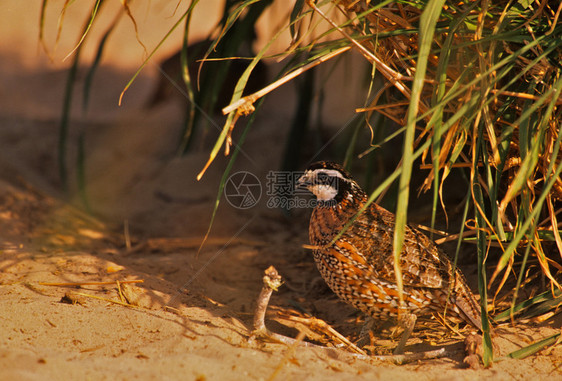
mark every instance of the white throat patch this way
{"type": "Point", "coordinates": [324, 192]}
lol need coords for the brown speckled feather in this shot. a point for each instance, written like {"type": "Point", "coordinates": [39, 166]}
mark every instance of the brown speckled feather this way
{"type": "Point", "coordinates": [359, 267]}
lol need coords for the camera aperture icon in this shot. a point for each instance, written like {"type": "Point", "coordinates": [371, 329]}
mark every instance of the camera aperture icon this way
{"type": "Point", "coordinates": [242, 190]}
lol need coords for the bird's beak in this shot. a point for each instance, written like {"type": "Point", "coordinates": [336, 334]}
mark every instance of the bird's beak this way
{"type": "Point", "coordinates": [304, 181]}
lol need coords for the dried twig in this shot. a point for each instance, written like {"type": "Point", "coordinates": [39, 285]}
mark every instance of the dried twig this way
{"type": "Point", "coordinates": [245, 104]}
{"type": "Point", "coordinates": [328, 330]}
{"type": "Point", "coordinates": [271, 282]}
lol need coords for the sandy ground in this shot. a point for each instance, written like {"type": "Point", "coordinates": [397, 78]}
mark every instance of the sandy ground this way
{"type": "Point", "coordinates": [191, 316]}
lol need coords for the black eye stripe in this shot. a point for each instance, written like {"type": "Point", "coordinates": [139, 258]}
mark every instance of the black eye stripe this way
{"type": "Point", "coordinates": [323, 178]}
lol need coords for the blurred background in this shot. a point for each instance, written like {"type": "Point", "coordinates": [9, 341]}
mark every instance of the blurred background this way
{"type": "Point", "coordinates": [123, 161]}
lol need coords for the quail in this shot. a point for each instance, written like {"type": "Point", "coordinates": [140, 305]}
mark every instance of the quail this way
{"type": "Point", "coordinates": [359, 265]}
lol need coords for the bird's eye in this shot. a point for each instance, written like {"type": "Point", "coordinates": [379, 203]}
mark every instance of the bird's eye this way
{"type": "Point", "coordinates": [323, 178]}
{"type": "Point", "coordinates": [333, 182]}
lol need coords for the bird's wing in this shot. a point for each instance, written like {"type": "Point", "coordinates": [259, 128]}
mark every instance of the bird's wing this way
{"type": "Point", "coordinates": [422, 263]}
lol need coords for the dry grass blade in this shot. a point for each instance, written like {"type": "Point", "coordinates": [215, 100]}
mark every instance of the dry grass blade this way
{"type": "Point", "coordinates": [124, 304]}
{"type": "Point", "coordinates": [87, 29]}
{"type": "Point", "coordinates": [245, 104]}
{"type": "Point", "coordinates": [325, 328]}
{"type": "Point", "coordinates": [78, 284]}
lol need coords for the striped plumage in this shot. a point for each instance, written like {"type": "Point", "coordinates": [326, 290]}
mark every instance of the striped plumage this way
{"type": "Point", "coordinates": [359, 266]}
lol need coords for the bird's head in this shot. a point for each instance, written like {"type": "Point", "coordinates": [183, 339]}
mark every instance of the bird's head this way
{"type": "Point", "coordinates": [329, 182]}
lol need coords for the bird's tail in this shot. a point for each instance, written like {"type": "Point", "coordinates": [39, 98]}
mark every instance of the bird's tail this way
{"type": "Point", "coordinates": [469, 308]}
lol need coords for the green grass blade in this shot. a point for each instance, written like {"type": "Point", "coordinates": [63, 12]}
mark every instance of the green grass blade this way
{"type": "Point", "coordinates": [89, 24]}
{"type": "Point", "coordinates": [67, 103]}
{"type": "Point", "coordinates": [226, 173]}
{"type": "Point", "coordinates": [520, 277]}
{"type": "Point", "coordinates": [534, 348]}
{"type": "Point", "coordinates": [81, 171]}
{"type": "Point", "coordinates": [297, 9]}
{"type": "Point", "coordinates": [436, 122]}
{"type": "Point", "coordinates": [91, 72]}
{"type": "Point", "coordinates": [42, 26]}
{"type": "Point", "coordinates": [546, 298]}
{"type": "Point", "coordinates": [427, 28]}
{"type": "Point", "coordinates": [300, 123]}
{"type": "Point", "coordinates": [548, 306]}
{"type": "Point", "coordinates": [190, 117]}
{"type": "Point", "coordinates": [65, 120]}
{"type": "Point", "coordinates": [350, 149]}
{"type": "Point", "coordinates": [488, 353]}
{"type": "Point", "coordinates": [539, 202]}
{"type": "Point", "coordinates": [170, 31]}
{"type": "Point", "coordinates": [527, 224]}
